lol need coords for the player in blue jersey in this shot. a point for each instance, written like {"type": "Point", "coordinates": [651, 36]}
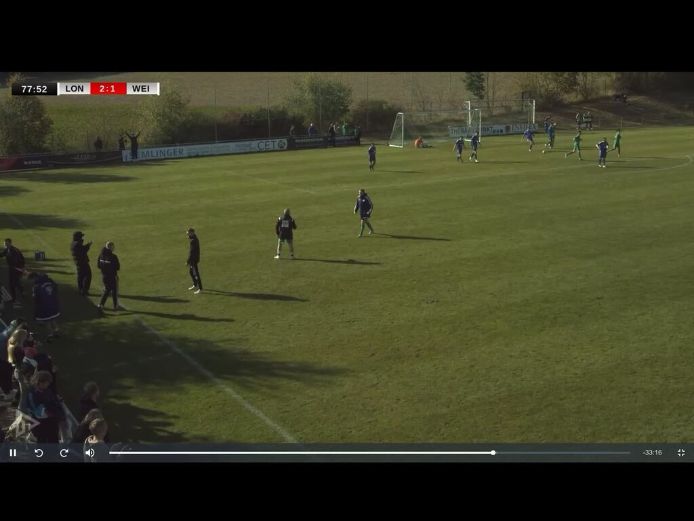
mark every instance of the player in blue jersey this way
{"type": "Point", "coordinates": [551, 134]}
{"type": "Point", "coordinates": [474, 144]}
{"type": "Point", "coordinates": [458, 148]}
{"type": "Point", "coordinates": [365, 207]}
{"type": "Point", "coordinates": [529, 137]}
{"type": "Point", "coordinates": [372, 157]}
{"type": "Point", "coordinates": [602, 147]}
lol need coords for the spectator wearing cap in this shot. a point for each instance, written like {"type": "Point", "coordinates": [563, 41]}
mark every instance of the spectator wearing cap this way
{"type": "Point", "coordinates": [109, 265]}
{"type": "Point", "coordinates": [79, 255]}
{"type": "Point", "coordinates": [193, 260]}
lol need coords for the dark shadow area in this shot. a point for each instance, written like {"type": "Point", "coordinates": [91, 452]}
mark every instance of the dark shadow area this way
{"type": "Point", "coordinates": [131, 363]}
{"type": "Point", "coordinates": [163, 300]}
{"type": "Point", "coordinates": [177, 316]}
{"type": "Point", "coordinates": [48, 271]}
{"type": "Point", "coordinates": [336, 261]}
{"type": "Point", "coordinates": [7, 191]}
{"type": "Point", "coordinates": [255, 296]}
{"type": "Point", "coordinates": [58, 176]}
{"type": "Point", "coordinates": [389, 236]}
{"type": "Point", "coordinates": [31, 221]}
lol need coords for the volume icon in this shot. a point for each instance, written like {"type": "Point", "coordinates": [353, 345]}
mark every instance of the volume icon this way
{"type": "Point", "coordinates": [89, 452]}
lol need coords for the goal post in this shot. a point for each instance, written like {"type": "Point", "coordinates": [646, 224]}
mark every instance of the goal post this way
{"type": "Point", "coordinates": [397, 135]}
{"type": "Point", "coordinates": [434, 126]}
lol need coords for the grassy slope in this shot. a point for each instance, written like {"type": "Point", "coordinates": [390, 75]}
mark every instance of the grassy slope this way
{"type": "Point", "coordinates": [524, 298]}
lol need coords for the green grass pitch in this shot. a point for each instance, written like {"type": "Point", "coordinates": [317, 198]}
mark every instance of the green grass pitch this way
{"type": "Point", "coordinates": [526, 298]}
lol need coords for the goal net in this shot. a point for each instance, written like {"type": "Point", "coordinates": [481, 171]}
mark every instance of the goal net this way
{"type": "Point", "coordinates": [505, 116]}
{"type": "Point", "coordinates": [434, 126]}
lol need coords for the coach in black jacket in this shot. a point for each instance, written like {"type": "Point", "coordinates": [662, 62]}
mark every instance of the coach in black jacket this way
{"type": "Point", "coordinates": [193, 260]}
{"type": "Point", "coordinates": [79, 255]}
{"type": "Point", "coordinates": [109, 265]}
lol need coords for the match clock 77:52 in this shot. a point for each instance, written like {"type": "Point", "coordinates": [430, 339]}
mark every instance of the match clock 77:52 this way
{"type": "Point", "coordinates": [34, 89]}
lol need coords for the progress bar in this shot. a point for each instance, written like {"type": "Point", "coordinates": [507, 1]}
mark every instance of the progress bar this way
{"type": "Point", "coordinates": [301, 453]}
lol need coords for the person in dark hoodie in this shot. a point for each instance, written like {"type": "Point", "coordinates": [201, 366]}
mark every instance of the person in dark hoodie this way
{"type": "Point", "coordinates": [193, 260]}
{"type": "Point", "coordinates": [46, 303]}
{"type": "Point", "coordinates": [109, 265]}
{"type": "Point", "coordinates": [79, 255]}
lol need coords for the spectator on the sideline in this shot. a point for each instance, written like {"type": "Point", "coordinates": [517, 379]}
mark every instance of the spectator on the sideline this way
{"type": "Point", "coordinates": [15, 269]}
{"type": "Point", "coordinates": [89, 398]}
{"type": "Point", "coordinates": [95, 449]}
{"type": "Point", "coordinates": [82, 431]}
{"type": "Point", "coordinates": [121, 143]}
{"type": "Point", "coordinates": [46, 303]}
{"type": "Point", "coordinates": [45, 407]}
{"type": "Point", "coordinates": [98, 144]}
{"type": "Point", "coordinates": [133, 144]}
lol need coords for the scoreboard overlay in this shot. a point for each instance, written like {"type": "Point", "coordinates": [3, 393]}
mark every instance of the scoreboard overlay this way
{"type": "Point", "coordinates": [94, 88]}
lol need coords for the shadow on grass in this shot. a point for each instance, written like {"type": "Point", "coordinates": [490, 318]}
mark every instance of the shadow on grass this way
{"type": "Point", "coordinates": [60, 176]}
{"type": "Point", "coordinates": [256, 296]}
{"type": "Point", "coordinates": [338, 261]}
{"type": "Point", "coordinates": [402, 171]}
{"type": "Point", "coordinates": [178, 316]}
{"type": "Point", "coordinates": [20, 221]}
{"type": "Point", "coordinates": [163, 300]}
{"type": "Point", "coordinates": [413, 237]}
{"type": "Point", "coordinates": [149, 389]}
{"type": "Point", "coordinates": [7, 191]}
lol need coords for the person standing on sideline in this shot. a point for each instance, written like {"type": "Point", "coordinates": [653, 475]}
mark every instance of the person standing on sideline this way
{"type": "Point", "coordinates": [121, 143]}
{"type": "Point", "coordinates": [46, 304]}
{"type": "Point", "coordinates": [15, 268]}
{"type": "Point", "coordinates": [458, 148]}
{"type": "Point", "coordinates": [618, 142]}
{"type": "Point", "coordinates": [365, 207]}
{"type": "Point", "coordinates": [109, 265]}
{"type": "Point", "coordinates": [372, 157]}
{"type": "Point", "coordinates": [474, 143]}
{"type": "Point", "coordinates": [98, 144]}
{"type": "Point", "coordinates": [193, 260]}
{"type": "Point", "coordinates": [576, 146]}
{"type": "Point", "coordinates": [602, 147]}
{"type": "Point", "coordinates": [284, 228]}
{"type": "Point", "coordinates": [133, 144]}
{"type": "Point", "coordinates": [79, 255]}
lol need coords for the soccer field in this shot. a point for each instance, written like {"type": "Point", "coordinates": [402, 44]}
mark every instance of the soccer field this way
{"type": "Point", "coordinates": [525, 298]}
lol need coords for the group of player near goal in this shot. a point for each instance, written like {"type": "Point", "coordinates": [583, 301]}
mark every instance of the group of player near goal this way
{"type": "Point", "coordinates": [550, 132]}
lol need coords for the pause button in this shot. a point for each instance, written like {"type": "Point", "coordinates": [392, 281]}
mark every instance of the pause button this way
{"type": "Point", "coordinates": [13, 453]}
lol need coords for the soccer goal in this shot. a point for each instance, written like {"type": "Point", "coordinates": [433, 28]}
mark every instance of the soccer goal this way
{"type": "Point", "coordinates": [434, 126]}
{"type": "Point", "coordinates": [505, 116]}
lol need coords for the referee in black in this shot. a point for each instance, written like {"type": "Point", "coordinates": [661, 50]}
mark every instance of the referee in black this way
{"type": "Point", "coordinates": [193, 260]}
